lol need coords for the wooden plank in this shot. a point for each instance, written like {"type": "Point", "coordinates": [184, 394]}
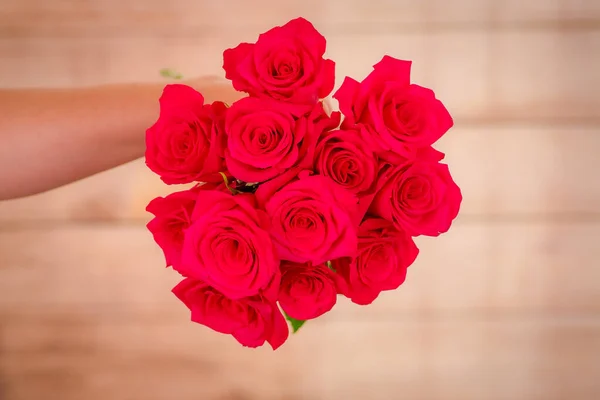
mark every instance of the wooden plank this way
{"type": "Point", "coordinates": [536, 10]}
{"type": "Point", "coordinates": [421, 358]}
{"type": "Point", "coordinates": [138, 17]}
{"type": "Point", "coordinates": [490, 267]}
{"type": "Point", "coordinates": [461, 359]}
{"type": "Point", "coordinates": [480, 76]}
{"type": "Point", "coordinates": [508, 170]}
{"type": "Point", "coordinates": [69, 18]}
{"type": "Point", "coordinates": [538, 72]}
{"type": "Point", "coordinates": [518, 170]}
{"type": "Point", "coordinates": [493, 76]}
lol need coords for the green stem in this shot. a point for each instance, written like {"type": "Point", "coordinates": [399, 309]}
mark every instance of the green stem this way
{"type": "Point", "coordinates": [169, 73]}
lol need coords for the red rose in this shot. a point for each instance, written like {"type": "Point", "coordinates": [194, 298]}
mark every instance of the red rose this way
{"type": "Point", "coordinates": [397, 115]}
{"type": "Point", "coordinates": [312, 220]}
{"type": "Point", "coordinates": [172, 215]}
{"type": "Point", "coordinates": [346, 158]}
{"type": "Point", "coordinates": [251, 320]}
{"type": "Point", "coordinates": [228, 246]}
{"type": "Point", "coordinates": [420, 197]}
{"type": "Point", "coordinates": [306, 291]}
{"type": "Point", "coordinates": [187, 142]}
{"type": "Point", "coordinates": [286, 63]}
{"type": "Point", "coordinates": [384, 254]}
{"type": "Point", "coordinates": [266, 138]}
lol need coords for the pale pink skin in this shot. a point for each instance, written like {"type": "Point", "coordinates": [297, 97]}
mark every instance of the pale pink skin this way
{"type": "Point", "coordinates": [312, 220]}
{"type": "Point", "coordinates": [228, 246]}
{"type": "Point", "coordinates": [286, 63]}
{"type": "Point", "coordinates": [187, 142]}
{"type": "Point", "coordinates": [396, 115]}
{"type": "Point", "coordinates": [252, 321]}
{"type": "Point", "coordinates": [384, 254]}
{"type": "Point", "coordinates": [306, 291]}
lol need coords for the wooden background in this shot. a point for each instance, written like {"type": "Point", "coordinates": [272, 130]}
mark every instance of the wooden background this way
{"type": "Point", "coordinates": [504, 307]}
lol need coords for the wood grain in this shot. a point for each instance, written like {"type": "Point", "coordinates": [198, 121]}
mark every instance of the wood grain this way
{"type": "Point", "coordinates": [504, 307]}
{"type": "Point", "coordinates": [138, 17]}
{"type": "Point", "coordinates": [486, 76]}
{"type": "Point", "coordinates": [502, 171]}
{"type": "Point", "coordinates": [429, 358]}
{"type": "Point", "coordinates": [113, 270]}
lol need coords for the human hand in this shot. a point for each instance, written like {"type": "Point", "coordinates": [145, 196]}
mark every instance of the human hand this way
{"type": "Point", "coordinates": [214, 88]}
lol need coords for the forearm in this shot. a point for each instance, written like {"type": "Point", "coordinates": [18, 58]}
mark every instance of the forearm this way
{"type": "Point", "coordinates": [49, 138]}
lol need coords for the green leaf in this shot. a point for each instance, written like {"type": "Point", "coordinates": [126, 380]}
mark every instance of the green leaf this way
{"type": "Point", "coordinates": [296, 323]}
{"type": "Point", "coordinates": [169, 73]}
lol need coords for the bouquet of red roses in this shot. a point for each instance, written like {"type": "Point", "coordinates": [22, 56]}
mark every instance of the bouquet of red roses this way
{"type": "Point", "coordinates": [294, 205]}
